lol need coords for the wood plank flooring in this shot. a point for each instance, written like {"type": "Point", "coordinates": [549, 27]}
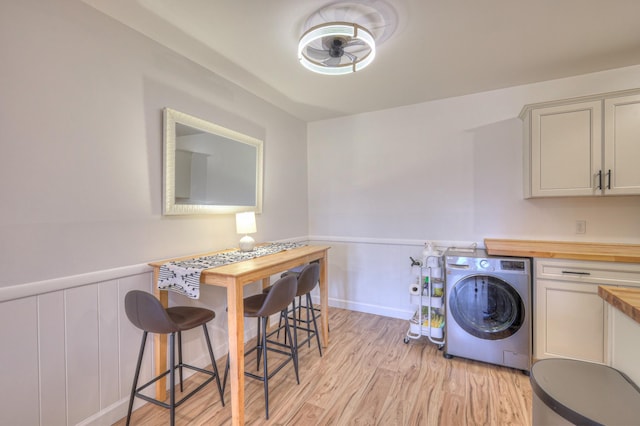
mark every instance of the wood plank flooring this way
{"type": "Point", "coordinates": [367, 376]}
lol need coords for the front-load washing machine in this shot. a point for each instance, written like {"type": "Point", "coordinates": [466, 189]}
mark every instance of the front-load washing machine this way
{"type": "Point", "coordinates": [488, 308]}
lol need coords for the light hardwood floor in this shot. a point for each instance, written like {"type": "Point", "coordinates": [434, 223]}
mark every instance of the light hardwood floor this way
{"type": "Point", "coordinates": [367, 376]}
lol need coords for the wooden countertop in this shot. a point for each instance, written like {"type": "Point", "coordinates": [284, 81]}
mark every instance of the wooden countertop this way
{"type": "Point", "coordinates": [625, 299]}
{"type": "Point", "coordinates": [607, 252]}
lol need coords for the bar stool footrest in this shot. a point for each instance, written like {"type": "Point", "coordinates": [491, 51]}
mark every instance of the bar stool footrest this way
{"type": "Point", "coordinates": [179, 402]}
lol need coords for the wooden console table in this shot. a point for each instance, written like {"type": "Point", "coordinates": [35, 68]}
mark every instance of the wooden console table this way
{"type": "Point", "coordinates": [234, 277]}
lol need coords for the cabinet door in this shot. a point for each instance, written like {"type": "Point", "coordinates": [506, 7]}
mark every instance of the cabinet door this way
{"type": "Point", "coordinates": [624, 343]}
{"type": "Point", "coordinates": [622, 145]}
{"type": "Point", "coordinates": [566, 149]}
{"type": "Point", "coordinates": [570, 321]}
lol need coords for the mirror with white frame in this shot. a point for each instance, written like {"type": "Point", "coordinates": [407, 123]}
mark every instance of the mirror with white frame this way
{"type": "Point", "coordinates": [209, 168]}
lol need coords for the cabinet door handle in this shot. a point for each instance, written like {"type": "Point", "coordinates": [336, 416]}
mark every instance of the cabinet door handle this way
{"type": "Point", "coordinates": [599, 179]}
{"type": "Point", "coordinates": [576, 273]}
{"type": "Point", "coordinates": [609, 179]}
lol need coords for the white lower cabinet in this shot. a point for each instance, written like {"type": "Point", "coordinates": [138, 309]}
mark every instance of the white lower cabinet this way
{"type": "Point", "coordinates": [623, 343]}
{"type": "Point", "coordinates": [570, 319]}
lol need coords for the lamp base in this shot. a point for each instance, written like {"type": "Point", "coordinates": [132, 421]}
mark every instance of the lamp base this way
{"type": "Point", "coordinates": [247, 243]}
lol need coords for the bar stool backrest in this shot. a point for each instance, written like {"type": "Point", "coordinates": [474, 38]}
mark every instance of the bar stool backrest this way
{"type": "Point", "coordinates": [146, 312]}
{"type": "Point", "coordinates": [308, 278]}
{"type": "Point", "coordinates": [279, 297]}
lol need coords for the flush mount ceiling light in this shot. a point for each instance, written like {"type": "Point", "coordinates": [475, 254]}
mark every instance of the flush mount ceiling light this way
{"type": "Point", "coordinates": [336, 48]}
{"type": "Point", "coordinates": [342, 36]}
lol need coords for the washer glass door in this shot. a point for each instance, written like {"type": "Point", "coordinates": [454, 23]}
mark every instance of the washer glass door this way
{"type": "Point", "coordinates": [486, 307]}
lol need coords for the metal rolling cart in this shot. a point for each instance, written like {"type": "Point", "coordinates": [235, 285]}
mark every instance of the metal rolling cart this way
{"type": "Point", "coordinates": [428, 295]}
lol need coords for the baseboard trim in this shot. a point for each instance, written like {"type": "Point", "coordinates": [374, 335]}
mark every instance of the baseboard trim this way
{"type": "Point", "coordinates": [366, 308]}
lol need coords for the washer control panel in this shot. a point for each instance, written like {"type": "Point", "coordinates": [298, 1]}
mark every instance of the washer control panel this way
{"type": "Point", "coordinates": [486, 263]}
{"type": "Point", "coordinates": [513, 265]}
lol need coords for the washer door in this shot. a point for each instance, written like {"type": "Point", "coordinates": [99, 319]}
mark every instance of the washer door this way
{"type": "Point", "coordinates": [486, 307]}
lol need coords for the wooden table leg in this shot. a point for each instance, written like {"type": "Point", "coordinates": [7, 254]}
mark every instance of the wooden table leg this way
{"type": "Point", "coordinates": [324, 300]}
{"type": "Point", "coordinates": [236, 351]}
{"type": "Point", "coordinates": [266, 282]}
{"type": "Point", "coordinates": [160, 344]}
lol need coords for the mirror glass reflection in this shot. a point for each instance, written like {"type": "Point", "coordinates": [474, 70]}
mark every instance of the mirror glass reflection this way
{"type": "Point", "coordinates": [208, 168]}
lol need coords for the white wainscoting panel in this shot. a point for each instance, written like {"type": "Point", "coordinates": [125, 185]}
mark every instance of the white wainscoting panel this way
{"type": "Point", "coordinates": [70, 353]}
{"type": "Point", "coordinates": [129, 340]}
{"type": "Point", "coordinates": [19, 357]}
{"type": "Point", "coordinates": [83, 352]}
{"type": "Point", "coordinates": [53, 369]}
{"type": "Point", "coordinates": [373, 275]}
{"type": "Point", "coordinates": [108, 342]}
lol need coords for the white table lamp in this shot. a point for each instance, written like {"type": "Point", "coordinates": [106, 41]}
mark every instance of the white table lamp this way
{"type": "Point", "coordinates": [246, 224]}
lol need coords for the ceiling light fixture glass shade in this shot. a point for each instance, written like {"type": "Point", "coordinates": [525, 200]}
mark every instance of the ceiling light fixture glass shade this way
{"type": "Point", "coordinates": [336, 48]}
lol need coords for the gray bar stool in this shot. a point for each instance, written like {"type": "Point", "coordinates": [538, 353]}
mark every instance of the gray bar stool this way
{"type": "Point", "coordinates": [566, 391]}
{"type": "Point", "coordinates": [147, 313]}
{"type": "Point", "coordinates": [262, 306]}
{"type": "Point", "coordinates": [308, 278]}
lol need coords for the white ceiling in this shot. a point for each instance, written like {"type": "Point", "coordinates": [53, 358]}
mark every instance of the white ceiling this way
{"type": "Point", "coordinates": [439, 49]}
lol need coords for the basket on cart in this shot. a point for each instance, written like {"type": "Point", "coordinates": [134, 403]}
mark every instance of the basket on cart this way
{"type": "Point", "coordinates": [429, 324]}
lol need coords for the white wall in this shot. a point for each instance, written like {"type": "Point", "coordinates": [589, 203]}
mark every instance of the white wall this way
{"type": "Point", "coordinates": [449, 171]}
{"type": "Point", "coordinates": [81, 133]}
{"type": "Point", "coordinates": [81, 99]}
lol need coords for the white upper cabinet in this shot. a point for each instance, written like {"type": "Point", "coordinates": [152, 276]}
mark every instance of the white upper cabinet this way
{"type": "Point", "coordinates": [566, 147]}
{"type": "Point", "coordinates": [622, 145]}
{"type": "Point", "coordinates": [585, 146]}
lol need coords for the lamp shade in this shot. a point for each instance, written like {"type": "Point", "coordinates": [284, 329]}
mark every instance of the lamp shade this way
{"type": "Point", "coordinates": [246, 222]}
